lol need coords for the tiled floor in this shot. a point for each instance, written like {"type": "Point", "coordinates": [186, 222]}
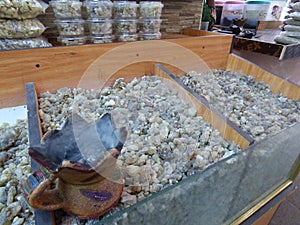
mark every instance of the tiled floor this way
{"type": "Point", "coordinates": [287, 69]}
{"type": "Point", "coordinates": [288, 213]}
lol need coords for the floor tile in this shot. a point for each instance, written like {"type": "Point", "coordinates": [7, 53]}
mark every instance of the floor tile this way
{"type": "Point", "coordinates": [286, 214]}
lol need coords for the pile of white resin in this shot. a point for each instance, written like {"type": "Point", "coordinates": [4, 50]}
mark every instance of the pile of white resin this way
{"type": "Point", "coordinates": [167, 141]}
{"type": "Point", "coordinates": [249, 104]}
{"type": "Point", "coordinates": [14, 167]}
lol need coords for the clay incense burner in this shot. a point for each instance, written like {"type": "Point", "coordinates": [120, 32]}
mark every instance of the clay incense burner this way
{"type": "Point", "coordinates": [79, 172]}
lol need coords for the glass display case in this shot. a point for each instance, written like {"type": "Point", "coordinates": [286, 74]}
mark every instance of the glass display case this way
{"type": "Point", "coordinates": [227, 192]}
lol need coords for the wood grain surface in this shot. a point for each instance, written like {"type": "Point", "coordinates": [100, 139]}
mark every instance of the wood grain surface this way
{"type": "Point", "coordinates": [34, 136]}
{"type": "Point", "coordinates": [56, 67]}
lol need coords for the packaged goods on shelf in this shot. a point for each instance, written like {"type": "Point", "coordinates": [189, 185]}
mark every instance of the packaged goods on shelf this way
{"type": "Point", "coordinates": [29, 28]}
{"type": "Point", "coordinates": [296, 6]}
{"type": "Point", "coordinates": [293, 34]}
{"type": "Point", "coordinates": [65, 9]}
{"type": "Point", "coordinates": [128, 26]}
{"type": "Point", "coordinates": [101, 39]}
{"type": "Point", "coordinates": [126, 37]}
{"type": "Point", "coordinates": [232, 10]}
{"type": "Point", "coordinates": [150, 36]}
{"type": "Point", "coordinates": [67, 41]}
{"type": "Point", "coordinates": [291, 28]}
{"type": "Point", "coordinates": [70, 27]}
{"type": "Point", "coordinates": [69, 22]}
{"type": "Point", "coordinates": [282, 39]}
{"type": "Point", "coordinates": [98, 9]}
{"type": "Point", "coordinates": [12, 44]}
{"type": "Point", "coordinates": [149, 25]}
{"type": "Point", "coordinates": [292, 22]}
{"type": "Point", "coordinates": [125, 9]}
{"type": "Point", "coordinates": [150, 9]}
{"type": "Point", "coordinates": [22, 9]}
{"type": "Point", "coordinates": [100, 26]}
{"type": "Point", "coordinates": [19, 27]}
{"type": "Point", "coordinates": [295, 16]}
{"type": "Point", "coordinates": [149, 22]}
{"type": "Point", "coordinates": [254, 11]}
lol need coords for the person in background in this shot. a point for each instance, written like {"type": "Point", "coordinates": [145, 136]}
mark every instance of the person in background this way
{"type": "Point", "coordinates": [209, 13]}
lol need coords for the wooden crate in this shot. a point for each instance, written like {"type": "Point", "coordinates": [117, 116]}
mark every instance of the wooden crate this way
{"type": "Point", "coordinates": [264, 44]}
{"type": "Point", "coordinates": [228, 130]}
{"type": "Point", "coordinates": [270, 48]}
{"type": "Point", "coordinates": [52, 68]}
{"type": "Point", "coordinates": [69, 64]}
{"type": "Point", "coordinates": [209, 115]}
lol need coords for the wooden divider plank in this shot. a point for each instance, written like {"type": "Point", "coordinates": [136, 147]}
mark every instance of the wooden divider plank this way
{"type": "Point", "coordinates": [195, 32]}
{"type": "Point", "coordinates": [35, 132]}
{"type": "Point", "coordinates": [262, 25]}
{"type": "Point", "coordinates": [227, 129]}
{"type": "Point", "coordinates": [34, 128]}
{"type": "Point", "coordinates": [277, 84]}
{"type": "Point", "coordinates": [34, 135]}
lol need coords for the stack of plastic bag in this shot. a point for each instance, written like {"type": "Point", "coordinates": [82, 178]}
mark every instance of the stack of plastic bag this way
{"type": "Point", "coordinates": [19, 27]}
{"type": "Point", "coordinates": [291, 33]}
